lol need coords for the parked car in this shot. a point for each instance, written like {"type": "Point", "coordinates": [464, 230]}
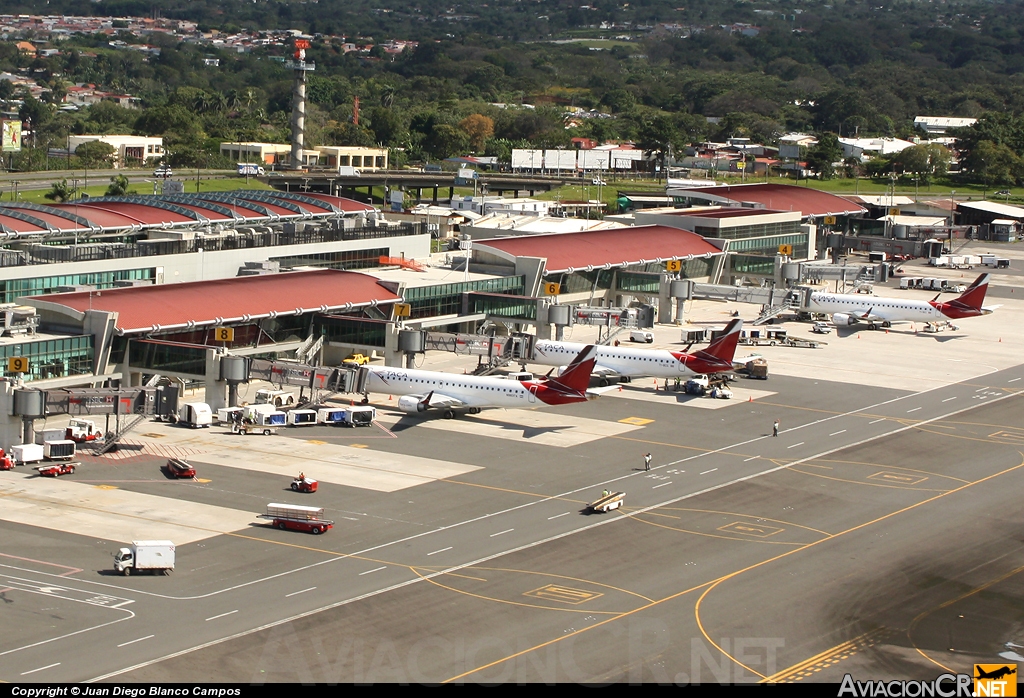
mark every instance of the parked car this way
{"type": "Point", "coordinates": [821, 328]}
{"type": "Point", "coordinates": [163, 171]}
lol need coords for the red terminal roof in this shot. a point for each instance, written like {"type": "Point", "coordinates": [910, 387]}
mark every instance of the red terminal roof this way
{"type": "Point", "coordinates": [780, 197]}
{"type": "Point", "coordinates": [723, 212]}
{"type": "Point", "coordinates": [140, 212]}
{"type": "Point", "coordinates": [615, 247]}
{"type": "Point", "coordinates": [144, 309]}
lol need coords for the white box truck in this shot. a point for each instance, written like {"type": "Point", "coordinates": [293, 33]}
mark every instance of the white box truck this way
{"type": "Point", "coordinates": [27, 453]}
{"type": "Point", "coordinates": [301, 418]}
{"type": "Point", "coordinates": [63, 449]}
{"type": "Point", "coordinates": [329, 415]}
{"type": "Point", "coordinates": [145, 556]}
{"type": "Point", "coordinates": [195, 414]}
{"type": "Point", "coordinates": [359, 415]}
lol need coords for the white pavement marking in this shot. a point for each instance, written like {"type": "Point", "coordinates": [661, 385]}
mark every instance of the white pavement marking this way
{"type": "Point", "coordinates": [48, 666]}
{"type": "Point", "coordinates": [327, 462]}
{"type": "Point", "coordinates": [375, 569]}
{"type": "Point", "coordinates": [662, 485]}
{"type": "Point", "coordinates": [441, 550]}
{"type": "Point", "coordinates": [950, 398]}
{"type": "Point", "coordinates": [296, 593]}
{"type": "Point", "coordinates": [543, 541]}
{"type": "Point", "coordinates": [501, 533]}
{"type": "Point", "coordinates": [836, 433]}
{"type": "Point", "coordinates": [558, 516]}
{"type": "Point", "coordinates": [222, 615]}
{"type": "Point", "coordinates": [112, 514]}
{"type": "Point", "coordinates": [1013, 380]}
{"type": "Point", "coordinates": [663, 397]}
{"type": "Point", "coordinates": [877, 421]}
{"type": "Point", "coordinates": [913, 410]}
{"type": "Point", "coordinates": [795, 445]}
{"type": "Point", "coordinates": [751, 458]}
{"type": "Point", "coordinates": [132, 642]}
{"type": "Point", "coordinates": [535, 427]}
{"type": "Point", "coordinates": [709, 471]}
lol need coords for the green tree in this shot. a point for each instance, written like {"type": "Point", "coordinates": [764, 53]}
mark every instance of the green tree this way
{"type": "Point", "coordinates": [118, 186]}
{"type": "Point", "coordinates": [445, 141]}
{"type": "Point", "coordinates": [96, 154]}
{"type": "Point", "coordinates": [60, 192]}
{"type": "Point", "coordinates": [822, 157]}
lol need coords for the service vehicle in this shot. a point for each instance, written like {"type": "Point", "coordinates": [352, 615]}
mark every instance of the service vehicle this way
{"type": "Point", "coordinates": [250, 428]}
{"type": "Point", "coordinates": [226, 415]}
{"type": "Point", "coordinates": [519, 376]}
{"type": "Point", "coordinates": [759, 337]}
{"type": "Point", "coordinates": [330, 415]}
{"type": "Point", "coordinates": [821, 328]}
{"type": "Point", "coordinates": [27, 453]}
{"type": "Point", "coordinates": [6, 462]}
{"type": "Point", "coordinates": [301, 418]}
{"type": "Point", "coordinates": [304, 484]}
{"type": "Point", "coordinates": [179, 468]}
{"type": "Point", "coordinates": [145, 556]}
{"type": "Point", "coordinates": [277, 398]}
{"type": "Point", "coordinates": [756, 367]}
{"type": "Point", "coordinates": [59, 450]}
{"type": "Point", "coordinates": [196, 415]}
{"type": "Point", "coordinates": [356, 360]}
{"type": "Point", "coordinates": [607, 502]}
{"type": "Point", "coordinates": [82, 430]}
{"type": "Point", "coordinates": [250, 169]}
{"type": "Point", "coordinates": [295, 517]}
{"type": "Point", "coordinates": [44, 435]}
{"type": "Point", "coordinates": [642, 336]}
{"type": "Point", "coordinates": [57, 469]}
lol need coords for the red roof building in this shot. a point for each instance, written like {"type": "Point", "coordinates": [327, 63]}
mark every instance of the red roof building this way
{"type": "Point", "coordinates": [144, 309]}
{"type": "Point", "coordinates": [597, 249]}
{"type": "Point", "coordinates": [811, 203]}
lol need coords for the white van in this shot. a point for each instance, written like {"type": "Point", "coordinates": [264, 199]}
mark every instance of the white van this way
{"type": "Point", "coordinates": [641, 336]}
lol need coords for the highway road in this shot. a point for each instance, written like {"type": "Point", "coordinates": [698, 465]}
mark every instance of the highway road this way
{"type": "Point", "coordinates": [112, 627]}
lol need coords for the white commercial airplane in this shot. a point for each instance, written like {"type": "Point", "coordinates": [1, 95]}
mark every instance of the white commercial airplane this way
{"type": "Point", "coordinates": [431, 390]}
{"type": "Point", "coordinates": [656, 363]}
{"type": "Point", "coordinates": [848, 309]}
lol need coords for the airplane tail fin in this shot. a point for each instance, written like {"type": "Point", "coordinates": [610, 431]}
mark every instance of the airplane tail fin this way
{"type": "Point", "coordinates": [724, 348]}
{"type": "Point", "coordinates": [576, 376]}
{"type": "Point", "coordinates": [974, 296]}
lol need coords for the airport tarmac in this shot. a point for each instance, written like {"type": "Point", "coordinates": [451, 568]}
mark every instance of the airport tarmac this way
{"type": "Point", "coordinates": [879, 534]}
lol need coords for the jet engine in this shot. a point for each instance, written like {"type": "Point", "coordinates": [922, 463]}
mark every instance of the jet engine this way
{"type": "Point", "coordinates": [844, 319]}
{"type": "Point", "coordinates": [411, 404]}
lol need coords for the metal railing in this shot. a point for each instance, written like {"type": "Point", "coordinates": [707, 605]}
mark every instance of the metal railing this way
{"type": "Point", "coordinates": [40, 253]}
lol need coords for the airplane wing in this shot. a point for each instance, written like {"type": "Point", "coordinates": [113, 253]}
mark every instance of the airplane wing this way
{"type": "Point", "coordinates": [437, 401]}
{"type": "Point", "coordinates": [598, 370]}
{"type": "Point", "coordinates": [598, 392]}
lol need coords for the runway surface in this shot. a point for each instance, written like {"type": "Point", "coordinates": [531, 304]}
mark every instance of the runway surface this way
{"type": "Point", "coordinates": [854, 541]}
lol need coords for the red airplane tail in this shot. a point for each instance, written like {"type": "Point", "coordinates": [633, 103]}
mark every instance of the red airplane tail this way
{"type": "Point", "coordinates": [576, 376]}
{"type": "Point", "coordinates": [974, 296]}
{"type": "Point", "coordinates": [723, 348]}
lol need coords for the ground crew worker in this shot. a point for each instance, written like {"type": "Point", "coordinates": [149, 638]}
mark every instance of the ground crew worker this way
{"type": "Point", "coordinates": [775, 428]}
{"type": "Point", "coordinates": [647, 461]}
{"type": "Point", "coordinates": [302, 476]}
{"type": "Point", "coordinates": [604, 494]}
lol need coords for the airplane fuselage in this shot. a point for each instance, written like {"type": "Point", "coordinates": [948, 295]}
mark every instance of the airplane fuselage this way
{"type": "Point", "coordinates": [878, 309]}
{"type": "Point", "coordinates": [472, 391]}
{"type": "Point", "coordinates": [627, 361]}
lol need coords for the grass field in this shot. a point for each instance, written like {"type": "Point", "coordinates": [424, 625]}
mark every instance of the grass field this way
{"type": "Point", "coordinates": [38, 196]}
